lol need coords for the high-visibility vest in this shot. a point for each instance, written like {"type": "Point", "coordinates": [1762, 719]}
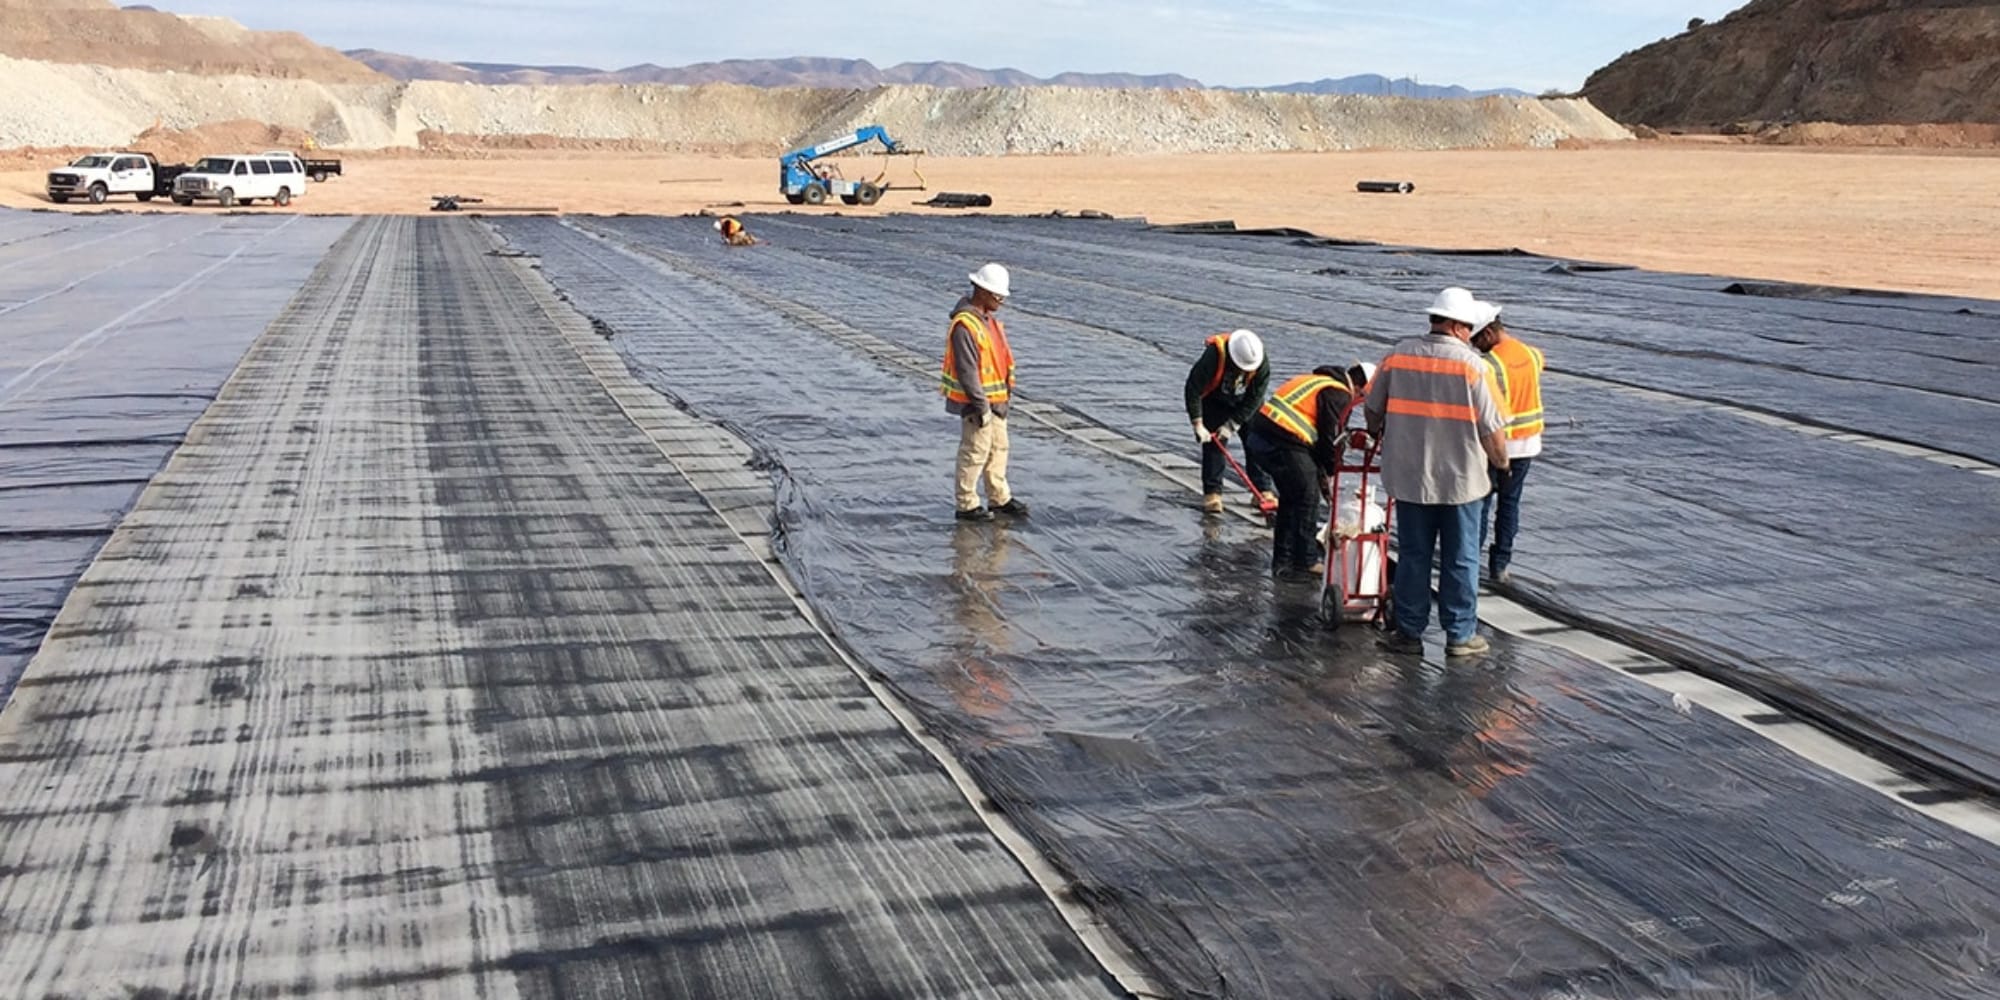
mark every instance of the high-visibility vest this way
{"type": "Point", "coordinates": [1221, 344]}
{"type": "Point", "coordinates": [1519, 372]}
{"type": "Point", "coordinates": [1435, 373]}
{"type": "Point", "coordinates": [996, 360]}
{"type": "Point", "coordinates": [1295, 406]}
{"type": "Point", "coordinates": [730, 227]}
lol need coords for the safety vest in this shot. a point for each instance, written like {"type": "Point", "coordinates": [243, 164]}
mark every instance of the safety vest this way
{"type": "Point", "coordinates": [1434, 388]}
{"type": "Point", "coordinates": [1518, 371]}
{"type": "Point", "coordinates": [1295, 406]}
{"type": "Point", "coordinates": [996, 360]}
{"type": "Point", "coordinates": [1221, 344]}
{"type": "Point", "coordinates": [730, 227]}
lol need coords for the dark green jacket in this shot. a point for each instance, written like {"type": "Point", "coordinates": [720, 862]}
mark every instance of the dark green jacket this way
{"type": "Point", "coordinates": [1235, 401]}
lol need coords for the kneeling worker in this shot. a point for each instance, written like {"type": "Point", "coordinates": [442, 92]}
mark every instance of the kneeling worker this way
{"type": "Point", "coordinates": [1297, 438]}
{"type": "Point", "coordinates": [1224, 389]}
{"type": "Point", "coordinates": [733, 232]}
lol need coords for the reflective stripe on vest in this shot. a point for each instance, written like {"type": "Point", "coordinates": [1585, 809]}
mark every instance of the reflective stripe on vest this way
{"type": "Point", "coordinates": [1522, 384]}
{"type": "Point", "coordinates": [1499, 374]}
{"type": "Point", "coordinates": [1221, 344]}
{"type": "Point", "coordinates": [1295, 406]}
{"type": "Point", "coordinates": [1435, 411]}
{"type": "Point", "coordinates": [996, 361]}
{"type": "Point", "coordinates": [1435, 388]}
{"type": "Point", "coordinates": [1433, 366]}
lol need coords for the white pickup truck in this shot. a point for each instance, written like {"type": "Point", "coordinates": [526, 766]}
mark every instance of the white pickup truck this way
{"type": "Point", "coordinates": [101, 175]}
{"type": "Point", "coordinates": [242, 179]}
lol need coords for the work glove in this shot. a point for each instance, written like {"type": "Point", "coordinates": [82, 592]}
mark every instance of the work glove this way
{"type": "Point", "coordinates": [1200, 432]}
{"type": "Point", "coordinates": [1225, 432]}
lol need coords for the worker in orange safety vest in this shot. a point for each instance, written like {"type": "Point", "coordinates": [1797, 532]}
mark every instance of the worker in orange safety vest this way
{"type": "Point", "coordinates": [1517, 370]}
{"type": "Point", "coordinates": [1224, 389]}
{"type": "Point", "coordinates": [1297, 438]}
{"type": "Point", "coordinates": [733, 232]}
{"type": "Point", "coordinates": [978, 385]}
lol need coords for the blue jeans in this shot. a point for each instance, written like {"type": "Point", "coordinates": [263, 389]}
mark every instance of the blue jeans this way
{"type": "Point", "coordinates": [1450, 534]}
{"type": "Point", "coordinates": [1503, 507]}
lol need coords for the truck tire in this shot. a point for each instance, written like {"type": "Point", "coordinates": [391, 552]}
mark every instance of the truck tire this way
{"type": "Point", "coordinates": [867, 194]}
{"type": "Point", "coordinates": [815, 195]}
{"type": "Point", "coordinates": [183, 202]}
{"type": "Point", "coordinates": [144, 196]}
{"type": "Point", "coordinates": [60, 199]}
{"type": "Point", "coordinates": [319, 177]}
{"type": "Point", "coordinates": [226, 198]}
{"type": "Point", "coordinates": [284, 197]}
{"type": "Point", "coordinates": [98, 192]}
{"type": "Point", "coordinates": [796, 199]}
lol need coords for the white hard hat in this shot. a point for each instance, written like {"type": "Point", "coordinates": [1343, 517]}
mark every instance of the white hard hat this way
{"type": "Point", "coordinates": [1246, 351]}
{"type": "Point", "coordinates": [1367, 370]}
{"type": "Point", "coordinates": [1458, 304]}
{"type": "Point", "coordinates": [992, 277]}
{"type": "Point", "coordinates": [718, 225]}
{"type": "Point", "coordinates": [1489, 313]}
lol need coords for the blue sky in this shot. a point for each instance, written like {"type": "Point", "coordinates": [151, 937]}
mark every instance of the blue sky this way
{"type": "Point", "coordinates": [1531, 44]}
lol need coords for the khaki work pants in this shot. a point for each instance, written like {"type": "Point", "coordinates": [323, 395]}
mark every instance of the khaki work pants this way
{"type": "Point", "coordinates": [982, 451]}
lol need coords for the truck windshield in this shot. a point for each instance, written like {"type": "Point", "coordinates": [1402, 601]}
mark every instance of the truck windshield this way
{"type": "Point", "coordinates": [214, 165]}
{"type": "Point", "coordinates": [89, 162]}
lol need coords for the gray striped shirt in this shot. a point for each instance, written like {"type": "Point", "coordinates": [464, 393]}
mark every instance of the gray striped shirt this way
{"type": "Point", "coordinates": [1436, 400]}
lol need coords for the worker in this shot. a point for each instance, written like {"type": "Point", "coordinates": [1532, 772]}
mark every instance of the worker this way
{"type": "Point", "coordinates": [1437, 410]}
{"type": "Point", "coordinates": [978, 383]}
{"type": "Point", "coordinates": [733, 232]}
{"type": "Point", "coordinates": [1517, 368]}
{"type": "Point", "coordinates": [1224, 389]}
{"type": "Point", "coordinates": [1297, 437]}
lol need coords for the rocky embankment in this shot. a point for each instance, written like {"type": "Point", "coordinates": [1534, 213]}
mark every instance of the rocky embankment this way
{"type": "Point", "coordinates": [46, 104]}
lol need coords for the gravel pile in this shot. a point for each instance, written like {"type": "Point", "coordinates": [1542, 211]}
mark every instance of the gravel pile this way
{"type": "Point", "coordinates": [48, 104]}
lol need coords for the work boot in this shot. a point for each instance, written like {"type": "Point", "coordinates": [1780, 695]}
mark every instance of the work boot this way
{"type": "Point", "coordinates": [1012, 508]}
{"type": "Point", "coordinates": [1211, 503]}
{"type": "Point", "coordinates": [1470, 647]}
{"type": "Point", "coordinates": [1396, 642]}
{"type": "Point", "coordinates": [975, 514]}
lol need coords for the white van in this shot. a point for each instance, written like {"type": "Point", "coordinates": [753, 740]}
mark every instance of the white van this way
{"type": "Point", "coordinates": [242, 178]}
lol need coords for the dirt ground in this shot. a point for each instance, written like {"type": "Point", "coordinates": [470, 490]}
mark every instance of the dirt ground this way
{"type": "Point", "coordinates": [1891, 219]}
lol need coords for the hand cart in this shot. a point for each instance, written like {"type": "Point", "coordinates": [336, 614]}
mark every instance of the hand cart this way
{"type": "Point", "coordinates": [1355, 587]}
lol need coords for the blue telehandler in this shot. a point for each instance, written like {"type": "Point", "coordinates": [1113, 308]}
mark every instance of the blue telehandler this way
{"type": "Point", "coordinates": [805, 182]}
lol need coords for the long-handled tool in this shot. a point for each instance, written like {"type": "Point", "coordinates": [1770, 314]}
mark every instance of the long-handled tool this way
{"type": "Point", "coordinates": [1266, 504]}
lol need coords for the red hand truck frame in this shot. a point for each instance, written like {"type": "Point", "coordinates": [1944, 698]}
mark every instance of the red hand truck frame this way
{"type": "Point", "coordinates": [1344, 596]}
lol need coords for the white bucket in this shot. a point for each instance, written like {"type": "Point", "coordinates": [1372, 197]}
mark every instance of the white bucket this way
{"type": "Point", "coordinates": [1361, 567]}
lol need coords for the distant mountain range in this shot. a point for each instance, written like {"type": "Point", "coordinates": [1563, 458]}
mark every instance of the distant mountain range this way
{"type": "Point", "coordinates": [1382, 86]}
{"type": "Point", "coordinates": [856, 73]}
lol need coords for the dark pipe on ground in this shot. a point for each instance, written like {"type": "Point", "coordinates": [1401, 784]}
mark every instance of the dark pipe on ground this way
{"type": "Point", "coordinates": [955, 199]}
{"type": "Point", "coordinates": [1385, 187]}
